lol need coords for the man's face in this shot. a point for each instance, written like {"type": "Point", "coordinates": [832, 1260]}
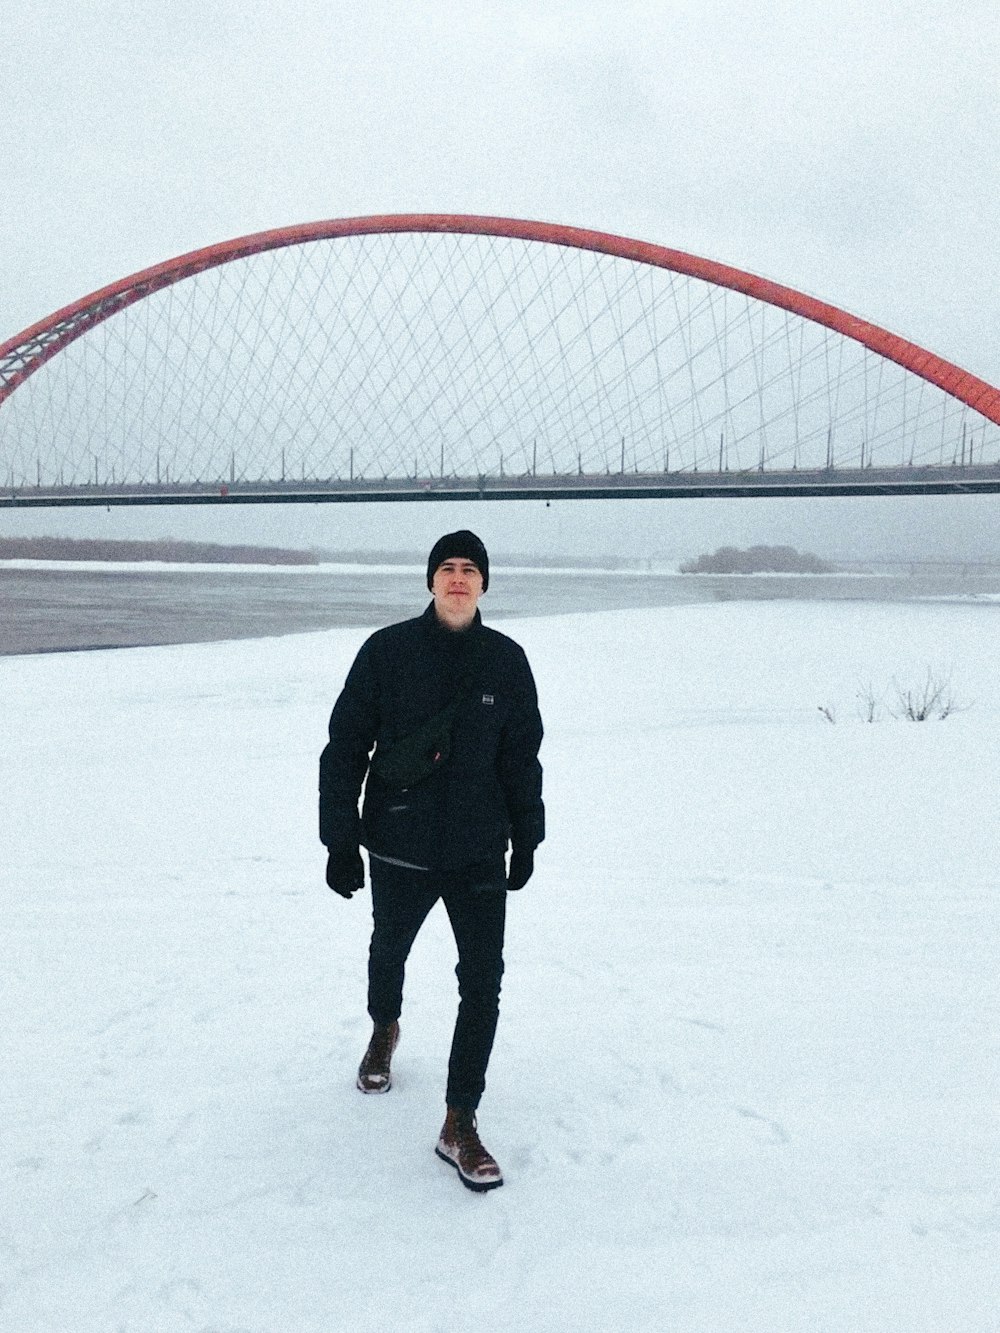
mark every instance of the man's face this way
{"type": "Point", "coordinates": [456, 587]}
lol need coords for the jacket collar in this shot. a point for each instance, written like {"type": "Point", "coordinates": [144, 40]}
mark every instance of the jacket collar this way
{"type": "Point", "coordinates": [434, 626]}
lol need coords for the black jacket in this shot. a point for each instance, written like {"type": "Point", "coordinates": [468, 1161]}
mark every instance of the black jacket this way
{"type": "Point", "coordinates": [490, 789]}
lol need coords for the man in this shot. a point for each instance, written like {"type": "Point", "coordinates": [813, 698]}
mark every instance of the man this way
{"type": "Point", "coordinates": [451, 711]}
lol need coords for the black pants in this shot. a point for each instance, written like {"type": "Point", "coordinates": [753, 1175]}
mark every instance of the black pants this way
{"type": "Point", "coordinates": [401, 900]}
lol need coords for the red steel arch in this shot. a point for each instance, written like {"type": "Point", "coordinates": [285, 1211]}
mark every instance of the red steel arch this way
{"type": "Point", "coordinates": [24, 353]}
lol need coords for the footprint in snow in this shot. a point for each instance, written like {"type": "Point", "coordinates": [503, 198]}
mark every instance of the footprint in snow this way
{"type": "Point", "coordinates": [778, 1131]}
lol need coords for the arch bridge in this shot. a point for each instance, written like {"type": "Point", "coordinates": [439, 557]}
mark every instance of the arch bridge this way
{"type": "Point", "coordinates": [439, 357]}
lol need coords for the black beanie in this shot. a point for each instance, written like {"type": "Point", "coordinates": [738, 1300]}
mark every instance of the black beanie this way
{"type": "Point", "coordinates": [464, 545]}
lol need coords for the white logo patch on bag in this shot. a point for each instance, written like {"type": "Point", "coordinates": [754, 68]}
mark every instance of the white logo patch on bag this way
{"type": "Point", "coordinates": [488, 699]}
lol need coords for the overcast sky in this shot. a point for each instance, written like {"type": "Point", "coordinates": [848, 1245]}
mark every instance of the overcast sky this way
{"type": "Point", "coordinates": [850, 149]}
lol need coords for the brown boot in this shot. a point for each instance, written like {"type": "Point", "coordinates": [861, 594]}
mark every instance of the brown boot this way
{"type": "Point", "coordinates": [374, 1074]}
{"type": "Point", "coordinates": [459, 1144]}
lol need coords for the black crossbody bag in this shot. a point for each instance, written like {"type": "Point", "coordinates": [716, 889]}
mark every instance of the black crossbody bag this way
{"type": "Point", "coordinates": [413, 758]}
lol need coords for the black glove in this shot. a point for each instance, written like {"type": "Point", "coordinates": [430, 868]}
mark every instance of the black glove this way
{"type": "Point", "coordinates": [522, 863]}
{"type": "Point", "coordinates": [345, 873]}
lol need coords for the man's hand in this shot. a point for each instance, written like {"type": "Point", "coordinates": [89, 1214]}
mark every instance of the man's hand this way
{"type": "Point", "coordinates": [345, 873]}
{"type": "Point", "coordinates": [522, 863]}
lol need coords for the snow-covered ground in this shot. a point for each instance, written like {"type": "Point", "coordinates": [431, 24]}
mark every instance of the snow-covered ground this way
{"type": "Point", "coordinates": [748, 1065]}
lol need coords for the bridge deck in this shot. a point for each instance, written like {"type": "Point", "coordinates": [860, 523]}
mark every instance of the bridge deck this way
{"type": "Point", "coordinates": [968, 479]}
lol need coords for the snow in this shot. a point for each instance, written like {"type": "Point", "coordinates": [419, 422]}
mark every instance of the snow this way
{"type": "Point", "coordinates": [321, 567]}
{"type": "Point", "coordinates": [747, 1067]}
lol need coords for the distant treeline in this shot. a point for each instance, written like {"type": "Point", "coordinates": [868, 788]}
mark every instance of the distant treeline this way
{"type": "Point", "coordinates": [757, 560]}
{"type": "Point", "coordinates": [174, 552]}
{"type": "Point", "coordinates": [369, 557]}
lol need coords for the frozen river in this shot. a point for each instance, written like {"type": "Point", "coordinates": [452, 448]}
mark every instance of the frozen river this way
{"type": "Point", "coordinates": [60, 608]}
{"type": "Point", "coordinates": [747, 1065]}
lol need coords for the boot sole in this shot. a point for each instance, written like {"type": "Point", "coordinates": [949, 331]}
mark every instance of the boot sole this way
{"type": "Point", "coordinates": [372, 1092]}
{"type": "Point", "coordinates": [477, 1186]}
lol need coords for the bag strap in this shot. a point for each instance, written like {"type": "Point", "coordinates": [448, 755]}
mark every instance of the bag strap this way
{"type": "Point", "coordinates": [444, 717]}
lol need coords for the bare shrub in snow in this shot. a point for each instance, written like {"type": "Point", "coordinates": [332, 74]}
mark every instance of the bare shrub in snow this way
{"type": "Point", "coordinates": [869, 703]}
{"type": "Point", "coordinates": [932, 698]}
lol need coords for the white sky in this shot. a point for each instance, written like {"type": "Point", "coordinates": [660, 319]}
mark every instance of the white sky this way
{"type": "Point", "coordinates": [851, 150]}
